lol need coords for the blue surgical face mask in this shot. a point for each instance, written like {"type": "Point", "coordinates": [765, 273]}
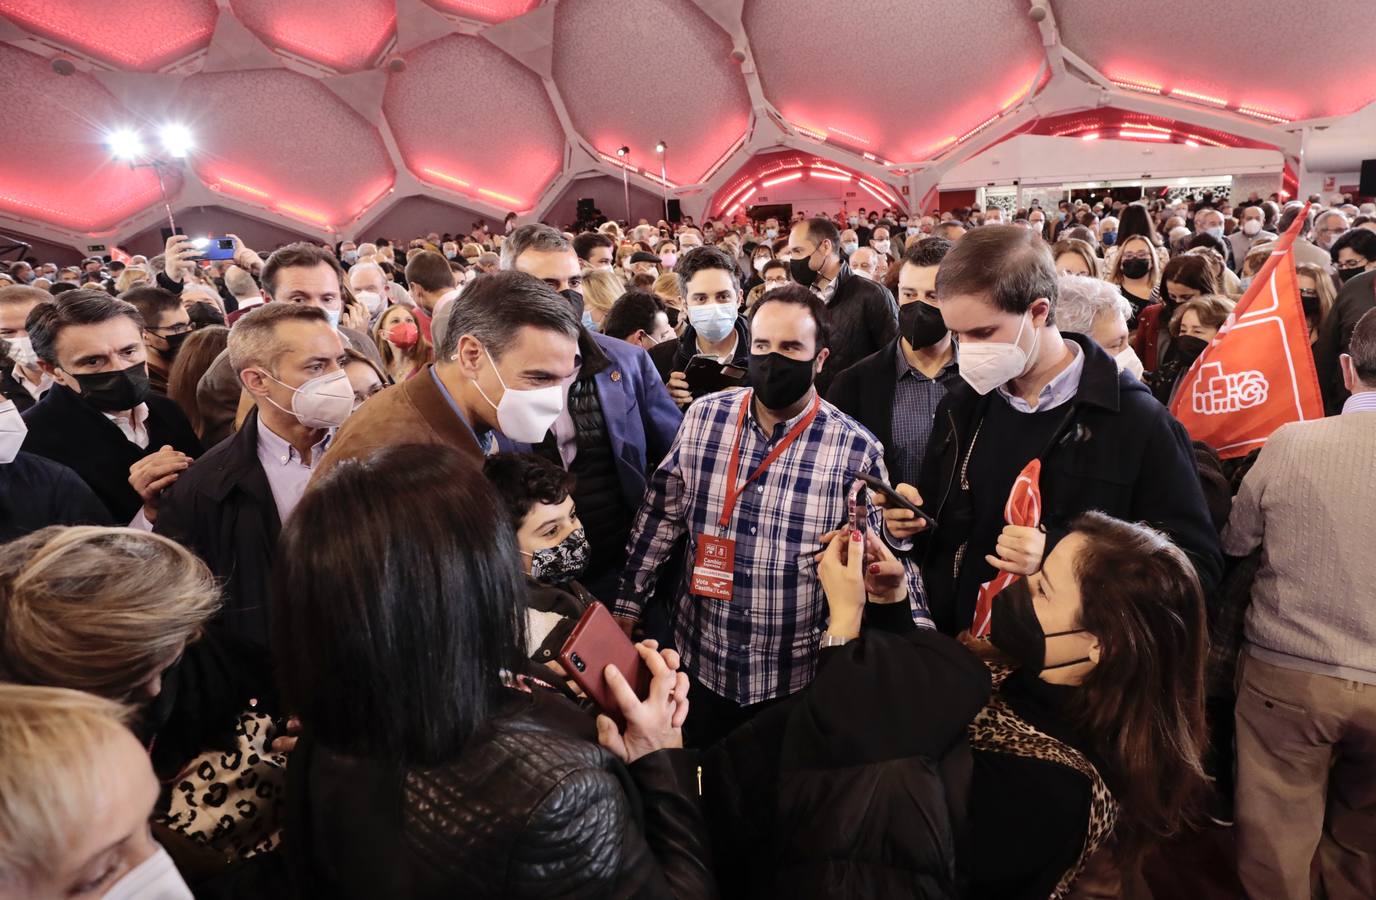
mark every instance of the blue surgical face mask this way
{"type": "Point", "coordinates": [350, 256]}
{"type": "Point", "coordinates": [1108, 238]}
{"type": "Point", "coordinates": [850, 247]}
{"type": "Point", "coordinates": [333, 315]}
{"type": "Point", "coordinates": [714, 321]}
{"type": "Point", "coordinates": [588, 323]}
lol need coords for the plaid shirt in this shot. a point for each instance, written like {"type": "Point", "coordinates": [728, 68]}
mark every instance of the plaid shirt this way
{"type": "Point", "coordinates": [915, 399]}
{"type": "Point", "coordinates": [763, 643]}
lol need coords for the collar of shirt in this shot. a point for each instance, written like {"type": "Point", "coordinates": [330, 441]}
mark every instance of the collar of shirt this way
{"type": "Point", "coordinates": [903, 367]}
{"type": "Point", "coordinates": [273, 449]}
{"type": "Point", "coordinates": [824, 287]}
{"type": "Point", "coordinates": [132, 424]}
{"type": "Point", "coordinates": [36, 390]}
{"type": "Point", "coordinates": [730, 354]}
{"type": "Point", "coordinates": [485, 440]}
{"type": "Point", "coordinates": [1363, 401]}
{"type": "Point", "coordinates": [1059, 391]}
{"type": "Point", "coordinates": [782, 428]}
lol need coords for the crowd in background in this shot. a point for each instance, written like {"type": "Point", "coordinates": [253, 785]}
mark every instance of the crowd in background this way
{"type": "Point", "coordinates": [295, 540]}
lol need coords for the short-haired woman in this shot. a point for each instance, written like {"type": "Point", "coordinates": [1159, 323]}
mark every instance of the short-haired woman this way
{"type": "Point", "coordinates": [1192, 326]}
{"type": "Point", "coordinates": [76, 792]}
{"type": "Point", "coordinates": [424, 768]}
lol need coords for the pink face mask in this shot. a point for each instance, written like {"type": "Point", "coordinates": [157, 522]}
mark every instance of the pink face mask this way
{"type": "Point", "coordinates": [403, 335]}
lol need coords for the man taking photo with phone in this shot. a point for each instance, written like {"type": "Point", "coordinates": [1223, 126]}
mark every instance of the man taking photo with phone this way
{"type": "Point", "coordinates": [754, 479]}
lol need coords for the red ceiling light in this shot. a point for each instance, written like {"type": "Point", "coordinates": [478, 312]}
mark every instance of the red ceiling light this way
{"type": "Point", "coordinates": [510, 200]}
{"type": "Point", "coordinates": [445, 176]}
{"type": "Point", "coordinates": [1143, 135]}
{"type": "Point", "coordinates": [1144, 87]}
{"type": "Point", "coordinates": [830, 176]}
{"type": "Point", "coordinates": [1092, 136]}
{"type": "Point", "coordinates": [847, 134]}
{"type": "Point", "coordinates": [782, 178]}
{"type": "Point", "coordinates": [303, 213]}
{"type": "Point", "coordinates": [1198, 98]}
{"type": "Point", "coordinates": [1190, 143]}
{"type": "Point", "coordinates": [243, 188]}
{"type": "Point", "coordinates": [1256, 113]}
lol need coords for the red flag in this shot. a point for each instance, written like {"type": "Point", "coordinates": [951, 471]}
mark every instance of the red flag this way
{"type": "Point", "coordinates": [118, 255]}
{"type": "Point", "coordinates": [1258, 372]}
{"type": "Point", "coordinates": [1024, 507]}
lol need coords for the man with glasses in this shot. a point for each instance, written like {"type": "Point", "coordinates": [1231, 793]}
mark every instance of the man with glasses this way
{"type": "Point", "coordinates": [166, 325]}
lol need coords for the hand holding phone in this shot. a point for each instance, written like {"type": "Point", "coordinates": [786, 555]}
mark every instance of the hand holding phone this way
{"type": "Point", "coordinates": [706, 375]}
{"type": "Point", "coordinates": [903, 513]}
{"type": "Point", "coordinates": [596, 642]}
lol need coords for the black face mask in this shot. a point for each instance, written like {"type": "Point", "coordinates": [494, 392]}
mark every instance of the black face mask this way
{"type": "Point", "coordinates": [174, 343]}
{"type": "Point", "coordinates": [801, 272]}
{"type": "Point", "coordinates": [779, 381]}
{"type": "Point", "coordinates": [115, 391]}
{"type": "Point", "coordinates": [1136, 268]}
{"type": "Point", "coordinates": [921, 324]}
{"type": "Point", "coordinates": [1310, 301]}
{"type": "Point", "coordinates": [1014, 629]}
{"type": "Point", "coordinates": [1188, 347]}
{"type": "Point", "coordinates": [1346, 275]}
{"type": "Point", "coordinates": [576, 299]}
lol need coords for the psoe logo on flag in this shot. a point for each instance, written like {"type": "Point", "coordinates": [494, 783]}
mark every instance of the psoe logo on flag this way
{"type": "Point", "coordinates": [1218, 392]}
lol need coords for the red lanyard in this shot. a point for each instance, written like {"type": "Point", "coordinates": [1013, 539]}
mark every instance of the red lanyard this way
{"type": "Point", "coordinates": [733, 493]}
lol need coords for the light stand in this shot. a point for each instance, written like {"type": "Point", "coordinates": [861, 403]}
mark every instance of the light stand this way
{"type": "Point", "coordinates": [624, 153]}
{"type": "Point", "coordinates": [157, 165]}
{"type": "Point", "coordinates": [660, 148]}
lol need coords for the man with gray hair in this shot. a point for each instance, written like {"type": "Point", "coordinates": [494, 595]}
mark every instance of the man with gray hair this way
{"type": "Point", "coordinates": [500, 365]}
{"type": "Point", "coordinates": [229, 506]}
{"type": "Point", "coordinates": [1098, 310]}
{"type": "Point", "coordinates": [1306, 700]}
{"type": "Point", "coordinates": [619, 419]}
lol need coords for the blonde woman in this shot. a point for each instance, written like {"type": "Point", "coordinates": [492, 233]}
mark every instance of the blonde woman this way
{"type": "Point", "coordinates": [76, 794]}
{"type": "Point", "coordinates": [667, 288]}
{"type": "Point", "coordinates": [404, 349]}
{"type": "Point", "coordinates": [131, 278]}
{"type": "Point", "coordinates": [103, 610]}
{"type": "Point", "coordinates": [1075, 257]}
{"type": "Point", "coordinates": [601, 289]}
{"type": "Point", "coordinates": [1317, 295]}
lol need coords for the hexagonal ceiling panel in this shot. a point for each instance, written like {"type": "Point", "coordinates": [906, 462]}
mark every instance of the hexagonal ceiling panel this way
{"type": "Point", "coordinates": [143, 35]}
{"type": "Point", "coordinates": [903, 79]}
{"type": "Point", "coordinates": [687, 91]}
{"type": "Point", "coordinates": [346, 35]}
{"type": "Point", "coordinates": [78, 185]}
{"type": "Point", "coordinates": [496, 138]}
{"type": "Point", "coordinates": [283, 140]}
{"type": "Point", "coordinates": [1162, 49]}
{"type": "Point", "coordinates": [491, 11]}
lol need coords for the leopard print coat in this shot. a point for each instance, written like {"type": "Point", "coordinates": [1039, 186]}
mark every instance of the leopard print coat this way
{"type": "Point", "coordinates": [997, 729]}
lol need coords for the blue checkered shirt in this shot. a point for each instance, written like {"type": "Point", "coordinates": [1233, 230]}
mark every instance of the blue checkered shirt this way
{"type": "Point", "coordinates": [763, 643]}
{"type": "Point", "coordinates": [915, 399]}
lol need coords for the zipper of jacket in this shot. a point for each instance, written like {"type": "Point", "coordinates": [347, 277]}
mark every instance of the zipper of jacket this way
{"type": "Point", "coordinates": [965, 486]}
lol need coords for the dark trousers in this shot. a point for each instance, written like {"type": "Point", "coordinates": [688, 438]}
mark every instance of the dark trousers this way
{"type": "Point", "coordinates": [712, 717]}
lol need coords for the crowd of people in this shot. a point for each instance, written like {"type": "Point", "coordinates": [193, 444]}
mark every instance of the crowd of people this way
{"type": "Point", "coordinates": [295, 540]}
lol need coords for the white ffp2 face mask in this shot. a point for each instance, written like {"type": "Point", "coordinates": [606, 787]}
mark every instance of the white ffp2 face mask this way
{"type": "Point", "coordinates": [156, 878]}
{"type": "Point", "coordinates": [524, 416]}
{"type": "Point", "coordinates": [987, 364]}
{"type": "Point", "coordinates": [1128, 362]}
{"type": "Point", "coordinates": [21, 351]}
{"type": "Point", "coordinates": [13, 430]}
{"type": "Point", "coordinates": [323, 402]}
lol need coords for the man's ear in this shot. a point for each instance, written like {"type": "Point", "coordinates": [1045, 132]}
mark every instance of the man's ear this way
{"type": "Point", "coordinates": [1349, 372]}
{"type": "Point", "coordinates": [1040, 315]}
{"type": "Point", "coordinates": [267, 298]}
{"type": "Point", "coordinates": [821, 360]}
{"type": "Point", "coordinates": [254, 381]}
{"type": "Point", "coordinates": [469, 355]}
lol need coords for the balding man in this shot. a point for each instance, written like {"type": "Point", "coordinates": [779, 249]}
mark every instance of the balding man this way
{"type": "Point", "coordinates": [865, 263]}
{"type": "Point", "coordinates": [243, 288]}
{"type": "Point", "coordinates": [1251, 231]}
{"type": "Point", "coordinates": [1329, 225]}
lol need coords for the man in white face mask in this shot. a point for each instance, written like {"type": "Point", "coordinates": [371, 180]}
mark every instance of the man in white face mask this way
{"type": "Point", "coordinates": [1031, 392]}
{"type": "Point", "coordinates": [25, 382]}
{"type": "Point", "coordinates": [1250, 232]}
{"type": "Point", "coordinates": [37, 492]}
{"type": "Point", "coordinates": [230, 504]}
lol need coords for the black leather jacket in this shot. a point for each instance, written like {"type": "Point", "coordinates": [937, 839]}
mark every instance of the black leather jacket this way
{"type": "Point", "coordinates": [531, 807]}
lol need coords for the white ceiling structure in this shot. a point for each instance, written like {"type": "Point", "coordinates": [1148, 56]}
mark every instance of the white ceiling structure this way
{"type": "Point", "coordinates": [323, 115]}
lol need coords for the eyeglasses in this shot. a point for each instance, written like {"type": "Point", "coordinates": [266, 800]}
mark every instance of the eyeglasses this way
{"type": "Point", "coordinates": [1352, 264]}
{"type": "Point", "coordinates": [179, 328]}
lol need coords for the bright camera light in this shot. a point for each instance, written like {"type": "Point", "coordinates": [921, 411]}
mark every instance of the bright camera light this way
{"type": "Point", "coordinates": [176, 140]}
{"type": "Point", "coordinates": [125, 143]}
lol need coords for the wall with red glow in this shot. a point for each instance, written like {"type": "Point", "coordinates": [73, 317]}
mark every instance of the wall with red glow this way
{"type": "Point", "coordinates": [41, 250]}
{"type": "Point", "coordinates": [207, 220]}
{"type": "Point", "coordinates": [418, 216]}
{"type": "Point", "coordinates": [607, 195]}
{"type": "Point", "coordinates": [953, 200]}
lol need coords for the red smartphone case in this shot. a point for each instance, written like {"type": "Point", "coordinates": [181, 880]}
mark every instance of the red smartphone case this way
{"type": "Point", "coordinates": [596, 642]}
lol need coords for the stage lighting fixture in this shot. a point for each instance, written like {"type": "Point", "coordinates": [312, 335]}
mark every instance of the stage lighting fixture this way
{"type": "Point", "coordinates": [622, 151]}
{"type": "Point", "coordinates": [124, 143]}
{"type": "Point", "coordinates": [659, 148]}
{"type": "Point", "coordinates": [177, 140]}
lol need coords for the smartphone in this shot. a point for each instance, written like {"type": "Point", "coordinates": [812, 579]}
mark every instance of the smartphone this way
{"type": "Point", "coordinates": [707, 376]}
{"type": "Point", "coordinates": [596, 642]}
{"type": "Point", "coordinates": [859, 509]}
{"type": "Point", "coordinates": [214, 248]}
{"type": "Point", "coordinates": [894, 498]}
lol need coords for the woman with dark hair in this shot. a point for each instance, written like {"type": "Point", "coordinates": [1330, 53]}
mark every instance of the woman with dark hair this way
{"type": "Point", "coordinates": [1091, 739]}
{"type": "Point", "coordinates": [1185, 277]}
{"type": "Point", "coordinates": [426, 766]}
{"type": "Point", "coordinates": [1136, 221]}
